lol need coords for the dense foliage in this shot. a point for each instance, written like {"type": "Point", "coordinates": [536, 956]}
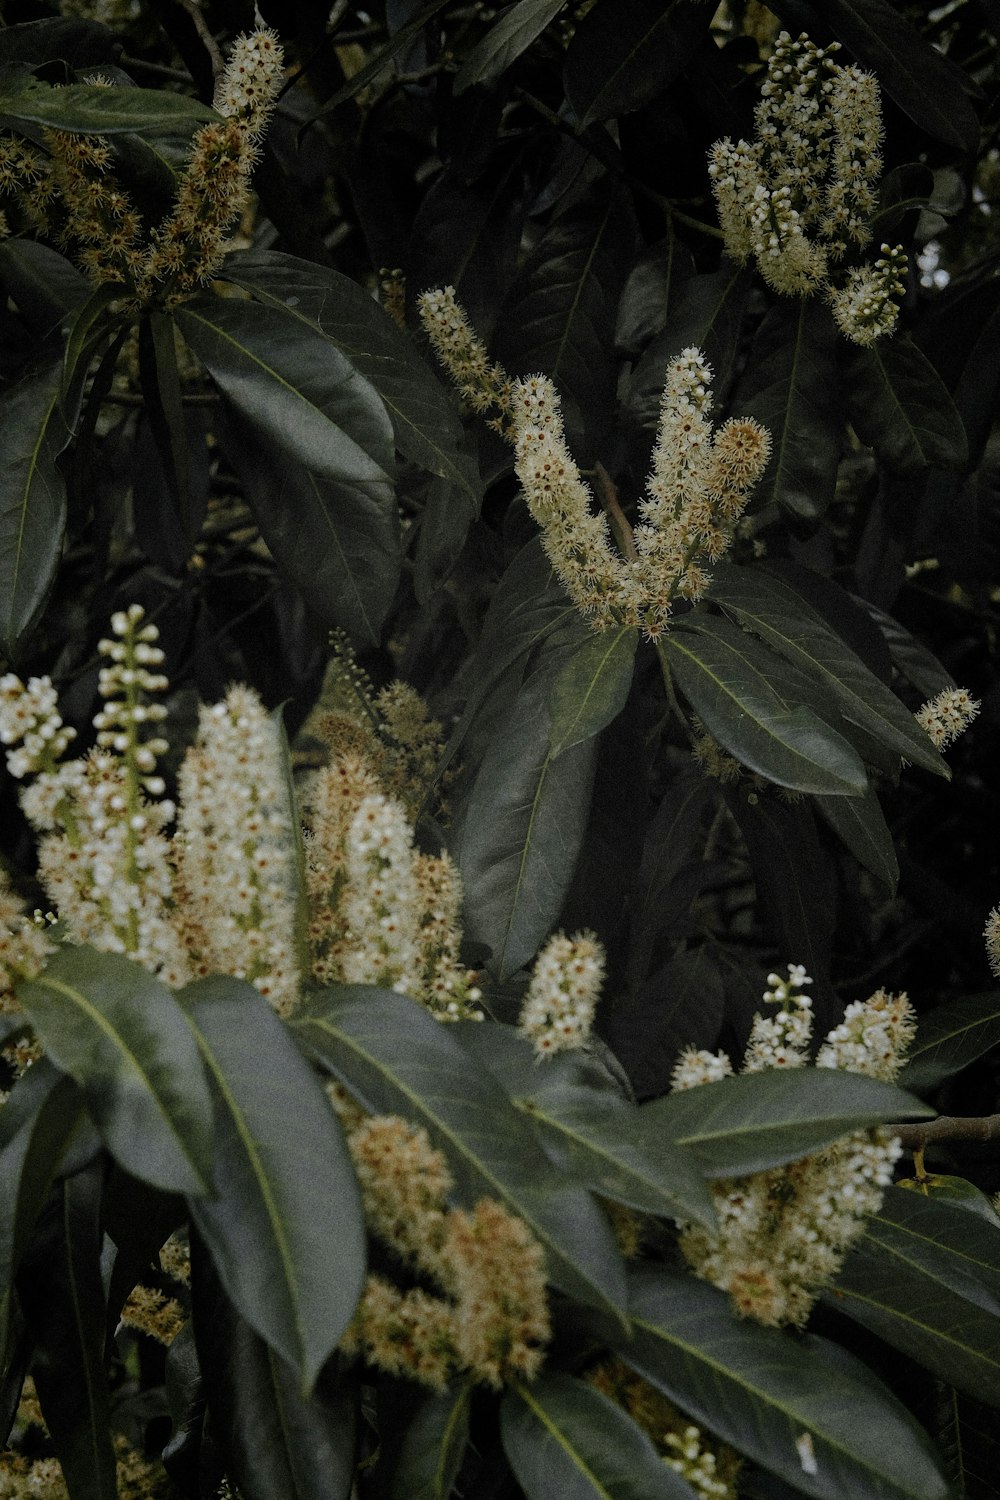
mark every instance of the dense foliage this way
{"type": "Point", "coordinates": [499, 528]}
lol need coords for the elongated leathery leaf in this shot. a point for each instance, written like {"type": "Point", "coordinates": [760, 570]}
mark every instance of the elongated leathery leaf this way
{"type": "Point", "coordinates": [284, 1228]}
{"type": "Point", "coordinates": [951, 1037]}
{"type": "Point", "coordinates": [38, 1119]}
{"type": "Point", "coordinates": [33, 432]}
{"type": "Point", "coordinates": [860, 823]}
{"type": "Point", "coordinates": [425, 422]}
{"type": "Point", "coordinates": [433, 1447]}
{"type": "Point", "coordinates": [84, 108]}
{"type": "Point", "coordinates": [764, 1391]}
{"type": "Point", "coordinates": [756, 708]}
{"type": "Point", "coordinates": [592, 688]}
{"type": "Point", "coordinates": [900, 406]}
{"type": "Point", "coordinates": [594, 1133]}
{"type": "Point", "coordinates": [121, 1035]}
{"type": "Point", "coordinates": [399, 1060]}
{"type": "Point", "coordinates": [506, 39]}
{"type": "Point", "coordinates": [759, 1120]}
{"type": "Point", "coordinates": [622, 56]}
{"type": "Point", "coordinates": [925, 1276]}
{"type": "Point", "coordinates": [777, 612]}
{"type": "Point", "coordinates": [315, 449]}
{"type": "Point", "coordinates": [562, 1437]}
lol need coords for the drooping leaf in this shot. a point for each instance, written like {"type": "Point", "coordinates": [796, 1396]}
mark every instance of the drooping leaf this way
{"type": "Point", "coordinates": [120, 1034]}
{"type": "Point", "coordinates": [71, 39]}
{"type": "Point", "coordinates": [910, 657]}
{"type": "Point", "coordinates": [315, 451]}
{"type": "Point", "coordinates": [591, 688]}
{"type": "Point", "coordinates": [953, 1192]}
{"type": "Point", "coordinates": [764, 1392]}
{"type": "Point", "coordinates": [45, 286]}
{"type": "Point", "coordinates": [85, 109]}
{"type": "Point", "coordinates": [506, 39]}
{"type": "Point", "coordinates": [925, 1276]}
{"type": "Point", "coordinates": [790, 386]}
{"type": "Point", "coordinates": [625, 53]}
{"type": "Point", "coordinates": [161, 386]}
{"type": "Point", "coordinates": [424, 419]}
{"type": "Point", "coordinates": [522, 830]}
{"type": "Point", "coordinates": [968, 1439]}
{"type": "Point", "coordinates": [33, 432]}
{"type": "Point", "coordinates": [755, 706]}
{"type": "Point", "coordinates": [38, 1120]}
{"type": "Point", "coordinates": [594, 1134]}
{"type": "Point", "coordinates": [759, 1120]}
{"type": "Point", "coordinates": [276, 1440]}
{"type": "Point", "coordinates": [62, 1299]}
{"type": "Point", "coordinates": [433, 1447]}
{"type": "Point", "coordinates": [775, 610]}
{"type": "Point", "coordinates": [399, 1060]}
{"type": "Point", "coordinates": [286, 1210]}
{"type": "Point", "coordinates": [562, 1437]}
{"type": "Point", "coordinates": [900, 406]}
{"type": "Point", "coordinates": [650, 292]}
{"type": "Point", "coordinates": [950, 1037]}
{"type": "Point", "coordinates": [860, 824]}
{"type": "Point", "coordinates": [400, 40]}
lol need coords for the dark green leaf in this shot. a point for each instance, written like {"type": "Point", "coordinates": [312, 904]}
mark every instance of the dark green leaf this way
{"type": "Point", "coordinates": [277, 1441]}
{"type": "Point", "coordinates": [909, 656]}
{"type": "Point", "coordinates": [754, 705]}
{"type": "Point", "coordinates": [775, 610]}
{"type": "Point", "coordinates": [43, 284]}
{"type": "Point", "coordinates": [433, 1447]}
{"type": "Point", "coordinates": [161, 386]}
{"type": "Point", "coordinates": [399, 1060]}
{"type": "Point", "coordinates": [764, 1392]}
{"type": "Point", "coordinates": [952, 1036]}
{"type": "Point", "coordinates": [425, 422]}
{"type": "Point", "coordinates": [62, 1298]}
{"type": "Point", "coordinates": [120, 1034]}
{"type": "Point", "coordinates": [522, 831]}
{"type": "Point", "coordinates": [790, 386]}
{"type": "Point", "coordinates": [624, 53]}
{"type": "Point", "coordinates": [315, 450]}
{"type": "Point", "coordinates": [33, 432]}
{"type": "Point", "coordinates": [860, 824]}
{"type": "Point", "coordinates": [70, 39]}
{"type": "Point", "coordinates": [85, 109]}
{"type": "Point", "coordinates": [925, 1276]}
{"type": "Point", "coordinates": [400, 40]}
{"type": "Point", "coordinates": [650, 292]}
{"type": "Point", "coordinates": [592, 688]}
{"type": "Point", "coordinates": [286, 1211]}
{"type": "Point", "coordinates": [503, 44]}
{"type": "Point", "coordinates": [968, 1438]}
{"type": "Point", "coordinates": [900, 406]}
{"type": "Point", "coordinates": [760, 1120]}
{"type": "Point", "coordinates": [953, 1192]}
{"type": "Point", "coordinates": [594, 1134]}
{"type": "Point", "coordinates": [562, 1437]}
{"type": "Point", "coordinates": [38, 1120]}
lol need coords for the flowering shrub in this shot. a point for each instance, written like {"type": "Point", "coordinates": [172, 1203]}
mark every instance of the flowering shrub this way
{"type": "Point", "coordinates": [497, 507]}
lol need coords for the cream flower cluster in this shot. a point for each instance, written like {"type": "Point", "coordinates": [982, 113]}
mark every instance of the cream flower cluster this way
{"type": "Point", "coordinates": [483, 385]}
{"type": "Point", "coordinates": [798, 196]}
{"type": "Point", "coordinates": [558, 1009]}
{"type": "Point", "coordinates": [688, 1456]}
{"type": "Point", "coordinates": [991, 932]}
{"type": "Point", "coordinates": [783, 1233]}
{"type": "Point", "coordinates": [490, 1315]}
{"type": "Point", "coordinates": [945, 717]}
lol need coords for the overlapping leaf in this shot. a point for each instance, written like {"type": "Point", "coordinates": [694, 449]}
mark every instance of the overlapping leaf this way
{"type": "Point", "coordinates": [84, 109]}
{"type": "Point", "coordinates": [506, 39]}
{"type": "Point", "coordinates": [760, 1120]}
{"type": "Point", "coordinates": [433, 1447]}
{"type": "Point", "coordinates": [625, 53]}
{"type": "Point", "coordinates": [765, 1392]}
{"type": "Point", "coordinates": [901, 407]}
{"type": "Point", "coordinates": [591, 688]}
{"type": "Point", "coordinates": [121, 1035]}
{"type": "Point", "coordinates": [284, 1227]}
{"type": "Point", "coordinates": [754, 704]}
{"type": "Point", "coordinates": [951, 1037]}
{"type": "Point", "coordinates": [860, 823]}
{"type": "Point", "coordinates": [399, 1060]}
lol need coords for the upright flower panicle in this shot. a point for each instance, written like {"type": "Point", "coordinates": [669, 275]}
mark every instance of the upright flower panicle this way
{"type": "Point", "coordinates": [558, 1009]}
{"type": "Point", "coordinates": [945, 717]}
{"type": "Point", "coordinates": [991, 933]}
{"type": "Point", "coordinates": [483, 385]}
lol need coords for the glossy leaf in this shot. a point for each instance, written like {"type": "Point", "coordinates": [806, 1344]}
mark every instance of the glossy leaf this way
{"type": "Point", "coordinates": [425, 422]}
{"type": "Point", "coordinates": [925, 1277]}
{"type": "Point", "coordinates": [401, 38]}
{"type": "Point", "coordinates": [38, 1120]}
{"type": "Point", "coordinates": [277, 1441]}
{"type": "Point", "coordinates": [780, 615]}
{"type": "Point", "coordinates": [506, 39]}
{"type": "Point", "coordinates": [63, 1303]}
{"type": "Point", "coordinates": [760, 1120]}
{"type": "Point", "coordinates": [522, 831]}
{"type": "Point", "coordinates": [950, 1037]}
{"type": "Point", "coordinates": [120, 1034]}
{"type": "Point", "coordinates": [860, 825]}
{"type": "Point", "coordinates": [900, 406]}
{"type": "Point", "coordinates": [968, 1438]}
{"type": "Point", "coordinates": [315, 449]}
{"type": "Point", "coordinates": [790, 386]}
{"type": "Point", "coordinates": [562, 1437]}
{"type": "Point", "coordinates": [591, 688]}
{"type": "Point", "coordinates": [391, 1052]}
{"type": "Point", "coordinates": [45, 286]}
{"type": "Point", "coordinates": [953, 1192]}
{"type": "Point", "coordinates": [286, 1208]}
{"type": "Point", "coordinates": [84, 109]}
{"type": "Point", "coordinates": [433, 1447]}
{"type": "Point", "coordinates": [33, 432]}
{"type": "Point", "coordinates": [755, 706]}
{"type": "Point", "coordinates": [625, 53]}
{"type": "Point", "coordinates": [910, 657]}
{"type": "Point", "coordinates": [594, 1134]}
{"type": "Point", "coordinates": [763, 1391]}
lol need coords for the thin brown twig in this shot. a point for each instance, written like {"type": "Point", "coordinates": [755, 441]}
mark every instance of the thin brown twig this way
{"type": "Point", "coordinates": [133, 398]}
{"type": "Point", "coordinates": [201, 27]}
{"type": "Point", "coordinates": [948, 1128]}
